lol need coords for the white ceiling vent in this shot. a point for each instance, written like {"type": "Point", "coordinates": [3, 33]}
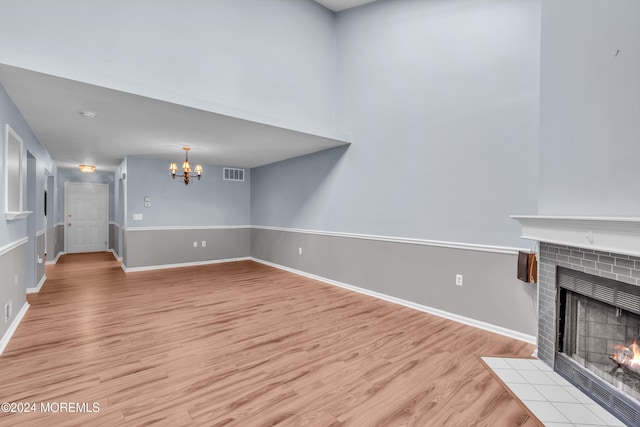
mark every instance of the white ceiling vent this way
{"type": "Point", "coordinates": [233, 174]}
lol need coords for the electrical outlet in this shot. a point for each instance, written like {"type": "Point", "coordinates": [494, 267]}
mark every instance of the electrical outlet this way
{"type": "Point", "coordinates": [195, 244]}
{"type": "Point", "coordinates": [8, 311]}
{"type": "Point", "coordinates": [459, 279]}
{"type": "Point", "coordinates": [299, 251]}
{"type": "Point", "coordinates": [204, 243]}
{"type": "Point", "coordinates": [137, 217]}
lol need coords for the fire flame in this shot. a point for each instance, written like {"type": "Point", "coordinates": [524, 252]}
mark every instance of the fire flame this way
{"type": "Point", "coordinates": [629, 357]}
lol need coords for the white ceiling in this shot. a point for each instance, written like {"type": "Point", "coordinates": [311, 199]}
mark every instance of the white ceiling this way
{"type": "Point", "coordinates": [338, 5]}
{"type": "Point", "coordinates": [127, 124]}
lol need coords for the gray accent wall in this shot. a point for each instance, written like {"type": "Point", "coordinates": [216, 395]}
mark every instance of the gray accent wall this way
{"type": "Point", "coordinates": [420, 274]}
{"type": "Point", "coordinates": [114, 238]}
{"type": "Point", "coordinates": [148, 248]}
{"type": "Point", "coordinates": [40, 248]}
{"type": "Point", "coordinates": [59, 247]}
{"type": "Point", "coordinates": [50, 244]}
{"type": "Point", "coordinates": [12, 263]}
{"type": "Point", "coordinates": [55, 242]}
{"type": "Point", "coordinates": [589, 126]}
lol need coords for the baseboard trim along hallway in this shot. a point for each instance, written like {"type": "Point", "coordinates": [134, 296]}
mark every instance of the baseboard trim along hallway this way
{"type": "Point", "coordinates": [14, 325]}
{"type": "Point", "coordinates": [184, 264]}
{"type": "Point", "coordinates": [38, 286]}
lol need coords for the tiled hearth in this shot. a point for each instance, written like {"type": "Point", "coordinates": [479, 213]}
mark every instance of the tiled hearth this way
{"type": "Point", "coordinates": [551, 398]}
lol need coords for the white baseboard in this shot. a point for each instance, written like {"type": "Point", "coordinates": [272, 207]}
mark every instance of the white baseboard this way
{"type": "Point", "coordinates": [12, 328]}
{"type": "Point", "coordinates": [437, 312]}
{"type": "Point", "coordinates": [38, 286]}
{"type": "Point", "coordinates": [115, 255]}
{"type": "Point", "coordinates": [185, 264]}
{"type": "Point", "coordinates": [55, 260]}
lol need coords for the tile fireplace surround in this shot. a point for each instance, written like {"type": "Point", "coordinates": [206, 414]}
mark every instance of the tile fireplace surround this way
{"type": "Point", "coordinates": [605, 247]}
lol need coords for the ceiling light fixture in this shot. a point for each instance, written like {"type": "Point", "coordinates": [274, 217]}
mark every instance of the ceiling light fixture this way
{"type": "Point", "coordinates": [186, 168]}
{"type": "Point", "coordinates": [87, 168]}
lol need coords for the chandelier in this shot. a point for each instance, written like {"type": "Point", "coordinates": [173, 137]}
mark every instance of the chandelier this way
{"type": "Point", "coordinates": [186, 168]}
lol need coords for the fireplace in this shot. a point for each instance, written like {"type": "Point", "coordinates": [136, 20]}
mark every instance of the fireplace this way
{"type": "Point", "coordinates": [589, 271]}
{"type": "Point", "coordinates": [597, 339]}
{"type": "Point", "coordinates": [588, 306]}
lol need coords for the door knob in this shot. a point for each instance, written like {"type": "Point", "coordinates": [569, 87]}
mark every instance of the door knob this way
{"type": "Point", "coordinates": [69, 224]}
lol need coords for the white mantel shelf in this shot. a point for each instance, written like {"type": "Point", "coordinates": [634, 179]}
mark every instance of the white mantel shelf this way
{"type": "Point", "coordinates": [619, 235]}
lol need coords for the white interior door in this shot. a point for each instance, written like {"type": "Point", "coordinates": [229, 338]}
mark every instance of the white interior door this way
{"type": "Point", "coordinates": [86, 213]}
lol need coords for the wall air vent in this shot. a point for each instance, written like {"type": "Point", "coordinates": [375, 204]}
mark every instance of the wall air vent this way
{"type": "Point", "coordinates": [233, 174]}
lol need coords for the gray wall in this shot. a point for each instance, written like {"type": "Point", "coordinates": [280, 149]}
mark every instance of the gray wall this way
{"type": "Point", "coordinates": [145, 248]}
{"type": "Point", "coordinates": [50, 244]}
{"type": "Point", "coordinates": [40, 248]}
{"type": "Point", "coordinates": [417, 273]}
{"type": "Point", "coordinates": [59, 241]}
{"type": "Point", "coordinates": [55, 241]}
{"type": "Point", "coordinates": [441, 98]}
{"type": "Point", "coordinates": [268, 61]}
{"type": "Point", "coordinates": [589, 126]}
{"type": "Point", "coordinates": [114, 238]}
{"type": "Point", "coordinates": [12, 263]}
{"type": "Point", "coordinates": [210, 201]}
{"type": "Point", "coordinates": [51, 217]}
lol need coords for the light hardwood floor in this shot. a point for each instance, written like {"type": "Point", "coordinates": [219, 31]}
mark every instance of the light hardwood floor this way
{"type": "Point", "coordinates": [244, 344]}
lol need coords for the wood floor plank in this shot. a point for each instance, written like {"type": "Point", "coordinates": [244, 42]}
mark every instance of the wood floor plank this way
{"type": "Point", "coordinates": [243, 344]}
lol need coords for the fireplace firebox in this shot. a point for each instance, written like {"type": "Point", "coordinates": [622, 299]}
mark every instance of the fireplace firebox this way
{"type": "Point", "coordinates": [598, 340]}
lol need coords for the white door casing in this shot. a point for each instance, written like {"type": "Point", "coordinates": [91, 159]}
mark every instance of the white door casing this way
{"type": "Point", "coordinates": [86, 217]}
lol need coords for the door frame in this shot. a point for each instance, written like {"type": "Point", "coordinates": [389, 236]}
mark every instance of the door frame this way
{"type": "Point", "coordinates": [66, 212]}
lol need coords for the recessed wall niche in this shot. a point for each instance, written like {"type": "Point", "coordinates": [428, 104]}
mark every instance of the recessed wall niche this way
{"type": "Point", "coordinates": [14, 175]}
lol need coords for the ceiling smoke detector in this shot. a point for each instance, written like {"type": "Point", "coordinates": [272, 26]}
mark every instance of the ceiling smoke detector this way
{"type": "Point", "coordinates": [88, 114]}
